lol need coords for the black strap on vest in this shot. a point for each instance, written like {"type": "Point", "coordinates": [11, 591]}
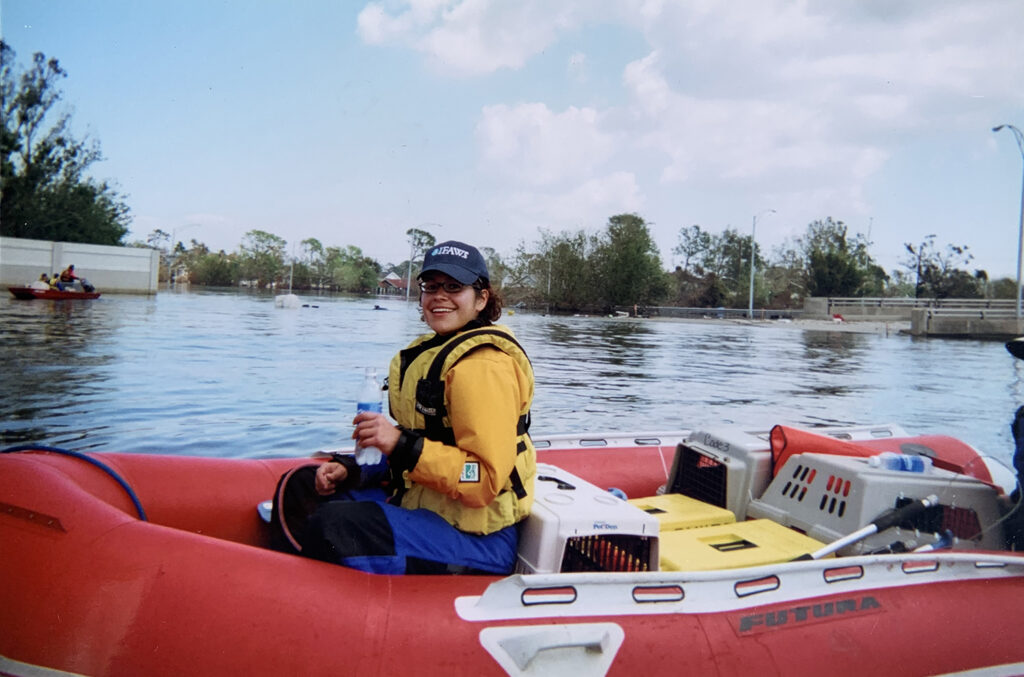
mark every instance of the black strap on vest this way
{"type": "Point", "coordinates": [406, 356]}
{"type": "Point", "coordinates": [430, 400]}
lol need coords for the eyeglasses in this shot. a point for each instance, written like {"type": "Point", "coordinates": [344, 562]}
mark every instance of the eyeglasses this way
{"type": "Point", "coordinates": [448, 287]}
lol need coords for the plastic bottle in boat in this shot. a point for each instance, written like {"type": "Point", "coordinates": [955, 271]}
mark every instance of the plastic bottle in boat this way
{"type": "Point", "coordinates": [905, 462]}
{"type": "Point", "coordinates": [369, 400]}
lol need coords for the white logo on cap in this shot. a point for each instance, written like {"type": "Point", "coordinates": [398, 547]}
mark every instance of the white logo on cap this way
{"type": "Point", "coordinates": [451, 251]}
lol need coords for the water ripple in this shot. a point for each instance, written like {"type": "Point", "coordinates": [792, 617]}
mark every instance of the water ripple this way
{"type": "Point", "coordinates": [228, 374]}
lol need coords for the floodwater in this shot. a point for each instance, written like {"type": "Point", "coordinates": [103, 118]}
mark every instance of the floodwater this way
{"type": "Point", "coordinates": [223, 373]}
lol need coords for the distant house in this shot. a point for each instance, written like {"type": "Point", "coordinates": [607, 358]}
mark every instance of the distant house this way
{"type": "Point", "coordinates": [392, 284]}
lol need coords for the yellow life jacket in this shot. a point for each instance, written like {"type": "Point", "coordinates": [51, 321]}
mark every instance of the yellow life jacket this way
{"type": "Point", "coordinates": [417, 400]}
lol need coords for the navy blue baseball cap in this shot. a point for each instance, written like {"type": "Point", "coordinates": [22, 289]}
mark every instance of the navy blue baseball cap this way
{"type": "Point", "coordinates": [459, 260]}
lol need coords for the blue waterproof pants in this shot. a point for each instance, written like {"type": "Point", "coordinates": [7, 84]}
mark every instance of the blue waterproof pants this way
{"type": "Point", "coordinates": [359, 529]}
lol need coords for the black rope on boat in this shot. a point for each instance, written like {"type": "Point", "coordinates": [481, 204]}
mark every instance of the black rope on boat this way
{"type": "Point", "coordinates": [89, 459]}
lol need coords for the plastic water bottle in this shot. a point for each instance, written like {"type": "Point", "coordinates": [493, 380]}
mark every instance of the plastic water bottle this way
{"type": "Point", "coordinates": [904, 462]}
{"type": "Point", "coordinates": [369, 400]}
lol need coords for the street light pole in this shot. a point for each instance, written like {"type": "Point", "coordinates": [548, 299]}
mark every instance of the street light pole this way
{"type": "Point", "coordinates": [1020, 233]}
{"type": "Point", "coordinates": [753, 250]}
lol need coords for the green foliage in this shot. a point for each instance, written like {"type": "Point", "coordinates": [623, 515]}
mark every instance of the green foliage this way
{"type": "Point", "coordinates": [1003, 288]}
{"type": "Point", "coordinates": [936, 272]}
{"type": "Point", "coordinates": [574, 271]}
{"type": "Point", "coordinates": [782, 284]}
{"type": "Point", "coordinates": [349, 271]}
{"type": "Point", "coordinates": [495, 266]}
{"type": "Point", "coordinates": [723, 263]}
{"type": "Point", "coordinates": [562, 271]}
{"type": "Point", "coordinates": [694, 246]}
{"type": "Point", "coordinates": [959, 284]}
{"type": "Point", "coordinates": [44, 193]}
{"type": "Point", "coordinates": [876, 281]}
{"type": "Point", "coordinates": [837, 264]}
{"type": "Point", "coordinates": [625, 264]}
{"type": "Point", "coordinates": [312, 273]}
{"type": "Point", "coordinates": [732, 265]}
{"type": "Point", "coordinates": [698, 281]}
{"type": "Point", "coordinates": [714, 293]}
{"type": "Point", "coordinates": [262, 257]}
{"type": "Point", "coordinates": [617, 267]}
{"type": "Point", "coordinates": [832, 273]}
{"type": "Point", "coordinates": [214, 270]}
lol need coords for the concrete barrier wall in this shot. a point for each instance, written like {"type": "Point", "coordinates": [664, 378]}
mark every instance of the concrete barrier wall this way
{"type": "Point", "coordinates": [873, 309]}
{"type": "Point", "coordinates": [992, 324]}
{"type": "Point", "coordinates": [128, 270]}
{"type": "Point", "coordinates": [816, 308]}
{"type": "Point", "coordinates": [893, 309]}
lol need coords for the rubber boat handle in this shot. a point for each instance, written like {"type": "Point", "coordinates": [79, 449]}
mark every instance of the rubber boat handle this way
{"type": "Point", "coordinates": [559, 483]}
{"type": "Point", "coordinates": [525, 647]}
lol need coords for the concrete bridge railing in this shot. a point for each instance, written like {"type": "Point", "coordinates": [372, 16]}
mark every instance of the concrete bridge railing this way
{"type": "Point", "coordinates": [893, 309]}
{"type": "Point", "coordinates": [981, 323]}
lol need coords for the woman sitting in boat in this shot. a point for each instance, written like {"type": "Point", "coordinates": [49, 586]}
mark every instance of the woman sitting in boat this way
{"type": "Point", "coordinates": [458, 470]}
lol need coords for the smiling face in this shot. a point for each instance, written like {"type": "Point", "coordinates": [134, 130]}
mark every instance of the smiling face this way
{"type": "Point", "coordinates": [446, 312]}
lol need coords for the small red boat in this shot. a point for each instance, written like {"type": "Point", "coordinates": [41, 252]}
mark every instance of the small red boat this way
{"type": "Point", "coordinates": [133, 564]}
{"type": "Point", "coordinates": [56, 294]}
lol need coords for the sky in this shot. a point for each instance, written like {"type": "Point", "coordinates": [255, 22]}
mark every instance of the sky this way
{"type": "Point", "coordinates": [488, 121]}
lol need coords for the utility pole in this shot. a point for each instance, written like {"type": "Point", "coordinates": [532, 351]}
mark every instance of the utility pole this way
{"type": "Point", "coordinates": [1020, 233]}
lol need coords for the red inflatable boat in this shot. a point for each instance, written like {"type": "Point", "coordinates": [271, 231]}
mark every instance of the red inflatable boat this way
{"type": "Point", "coordinates": [29, 293]}
{"type": "Point", "coordinates": [123, 564]}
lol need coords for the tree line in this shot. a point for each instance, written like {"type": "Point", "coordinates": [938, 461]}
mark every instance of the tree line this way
{"type": "Point", "coordinates": [262, 261]}
{"type": "Point", "coordinates": [618, 266]}
{"type": "Point", "coordinates": [46, 193]}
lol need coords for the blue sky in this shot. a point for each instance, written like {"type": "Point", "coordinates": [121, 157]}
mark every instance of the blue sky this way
{"type": "Point", "coordinates": [485, 120]}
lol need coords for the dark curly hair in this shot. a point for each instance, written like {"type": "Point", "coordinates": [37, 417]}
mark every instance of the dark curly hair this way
{"type": "Point", "coordinates": [492, 311]}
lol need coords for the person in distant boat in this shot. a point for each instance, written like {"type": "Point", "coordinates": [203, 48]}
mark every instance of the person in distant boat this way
{"type": "Point", "coordinates": [42, 284]}
{"type": "Point", "coordinates": [68, 274]}
{"type": "Point", "coordinates": [457, 472]}
{"type": "Point", "coordinates": [55, 282]}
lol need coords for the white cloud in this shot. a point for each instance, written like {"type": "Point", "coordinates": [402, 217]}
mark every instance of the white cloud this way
{"type": "Point", "coordinates": [718, 137]}
{"type": "Point", "coordinates": [584, 206]}
{"type": "Point", "coordinates": [815, 96]}
{"type": "Point", "coordinates": [649, 87]}
{"type": "Point", "coordinates": [739, 89]}
{"type": "Point", "coordinates": [534, 145]}
{"type": "Point", "coordinates": [797, 105]}
{"type": "Point", "coordinates": [376, 26]}
{"type": "Point", "coordinates": [472, 37]}
{"type": "Point", "coordinates": [598, 198]}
